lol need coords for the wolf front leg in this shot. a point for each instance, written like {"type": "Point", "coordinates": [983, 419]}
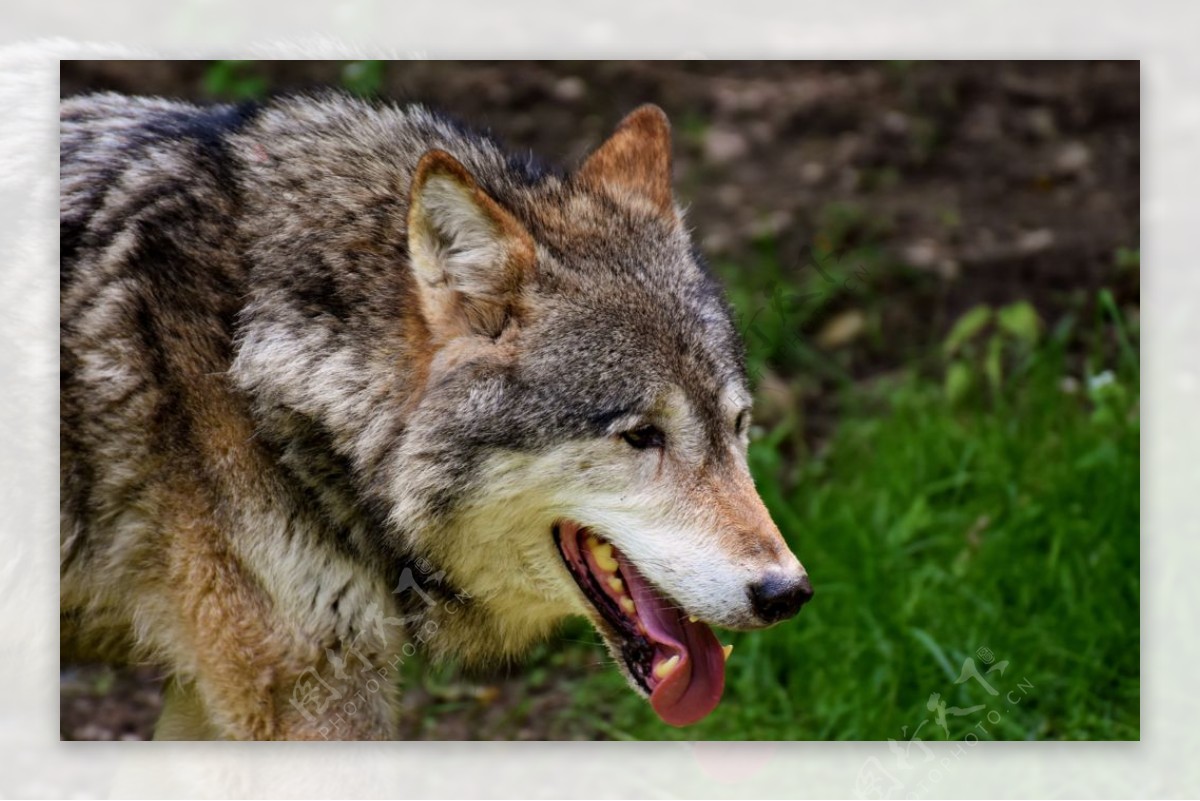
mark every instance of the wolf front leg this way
{"type": "Point", "coordinates": [183, 715]}
{"type": "Point", "coordinates": [247, 665]}
{"type": "Point", "coordinates": [319, 711]}
{"type": "Point", "coordinates": [243, 682]}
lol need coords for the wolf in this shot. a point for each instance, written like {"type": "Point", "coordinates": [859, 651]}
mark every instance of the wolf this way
{"type": "Point", "coordinates": [343, 382]}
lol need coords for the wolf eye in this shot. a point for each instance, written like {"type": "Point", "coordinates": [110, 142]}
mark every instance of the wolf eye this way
{"type": "Point", "coordinates": [645, 437]}
{"type": "Point", "coordinates": [743, 420]}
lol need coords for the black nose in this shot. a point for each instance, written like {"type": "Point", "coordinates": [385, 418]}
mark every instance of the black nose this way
{"type": "Point", "coordinates": [777, 598]}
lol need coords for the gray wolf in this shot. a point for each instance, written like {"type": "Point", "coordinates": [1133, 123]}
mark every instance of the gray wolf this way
{"type": "Point", "coordinates": [342, 382]}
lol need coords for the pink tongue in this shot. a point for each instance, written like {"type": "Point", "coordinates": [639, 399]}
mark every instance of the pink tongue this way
{"type": "Point", "coordinates": [694, 688]}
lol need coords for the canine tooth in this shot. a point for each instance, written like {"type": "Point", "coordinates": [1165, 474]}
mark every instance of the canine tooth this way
{"type": "Point", "coordinates": [666, 667]}
{"type": "Point", "coordinates": [628, 605]}
{"type": "Point", "coordinates": [693, 619]}
{"type": "Point", "coordinates": [728, 649]}
{"type": "Point", "coordinates": [616, 584]}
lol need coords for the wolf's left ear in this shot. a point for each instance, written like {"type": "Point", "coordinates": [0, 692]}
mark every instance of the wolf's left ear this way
{"type": "Point", "coordinates": [470, 256]}
{"type": "Point", "coordinates": [635, 162]}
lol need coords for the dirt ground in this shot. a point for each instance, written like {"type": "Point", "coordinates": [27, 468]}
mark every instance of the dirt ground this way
{"type": "Point", "coordinates": [976, 182]}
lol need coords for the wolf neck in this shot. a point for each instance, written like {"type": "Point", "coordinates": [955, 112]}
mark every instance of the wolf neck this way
{"type": "Point", "coordinates": [336, 418]}
{"type": "Point", "coordinates": [477, 623]}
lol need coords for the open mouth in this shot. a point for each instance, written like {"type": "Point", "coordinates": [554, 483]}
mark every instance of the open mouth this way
{"type": "Point", "coordinates": [672, 656]}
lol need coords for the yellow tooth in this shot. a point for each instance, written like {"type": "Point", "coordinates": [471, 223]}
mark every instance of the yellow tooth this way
{"type": "Point", "coordinates": [693, 619]}
{"type": "Point", "coordinates": [666, 667]}
{"type": "Point", "coordinates": [604, 558]}
{"type": "Point", "coordinates": [627, 605]}
{"type": "Point", "coordinates": [728, 649]}
{"type": "Point", "coordinates": [616, 584]}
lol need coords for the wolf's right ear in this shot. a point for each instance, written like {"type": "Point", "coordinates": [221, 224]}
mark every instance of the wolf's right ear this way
{"type": "Point", "coordinates": [469, 255]}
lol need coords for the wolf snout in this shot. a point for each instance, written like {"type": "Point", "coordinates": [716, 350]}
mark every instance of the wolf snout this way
{"type": "Point", "coordinates": [778, 596]}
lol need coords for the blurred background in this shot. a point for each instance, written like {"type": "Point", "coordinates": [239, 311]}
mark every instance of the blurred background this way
{"type": "Point", "coordinates": [936, 268]}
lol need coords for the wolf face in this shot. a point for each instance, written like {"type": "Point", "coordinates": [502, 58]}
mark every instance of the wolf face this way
{"type": "Point", "coordinates": [580, 444]}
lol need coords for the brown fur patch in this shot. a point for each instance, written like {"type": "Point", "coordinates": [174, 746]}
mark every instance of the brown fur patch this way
{"type": "Point", "coordinates": [636, 159]}
{"type": "Point", "coordinates": [222, 621]}
{"type": "Point", "coordinates": [746, 528]}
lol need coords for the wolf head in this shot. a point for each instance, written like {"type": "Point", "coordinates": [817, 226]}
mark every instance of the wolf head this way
{"type": "Point", "coordinates": [579, 445]}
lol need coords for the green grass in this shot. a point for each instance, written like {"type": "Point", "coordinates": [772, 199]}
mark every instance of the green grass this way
{"type": "Point", "coordinates": [933, 527]}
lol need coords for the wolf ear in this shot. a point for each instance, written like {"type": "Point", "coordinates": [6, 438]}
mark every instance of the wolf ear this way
{"type": "Point", "coordinates": [469, 255]}
{"type": "Point", "coordinates": [636, 160]}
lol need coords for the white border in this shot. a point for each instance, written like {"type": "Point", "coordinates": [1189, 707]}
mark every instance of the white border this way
{"type": "Point", "coordinates": [36, 764]}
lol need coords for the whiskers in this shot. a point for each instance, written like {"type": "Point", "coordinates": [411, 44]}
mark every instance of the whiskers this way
{"type": "Point", "coordinates": [605, 659]}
